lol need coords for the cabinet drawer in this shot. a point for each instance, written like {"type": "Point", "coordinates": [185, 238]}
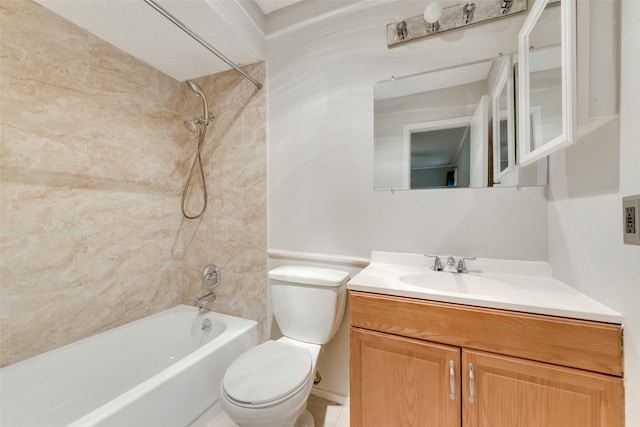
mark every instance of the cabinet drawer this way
{"type": "Point", "coordinates": [581, 344]}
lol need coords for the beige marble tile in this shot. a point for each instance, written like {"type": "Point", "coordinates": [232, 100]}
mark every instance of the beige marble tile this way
{"type": "Point", "coordinates": [232, 233]}
{"type": "Point", "coordinates": [93, 160]}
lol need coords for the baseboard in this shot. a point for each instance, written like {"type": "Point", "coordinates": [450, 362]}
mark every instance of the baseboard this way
{"type": "Point", "coordinates": [330, 396]}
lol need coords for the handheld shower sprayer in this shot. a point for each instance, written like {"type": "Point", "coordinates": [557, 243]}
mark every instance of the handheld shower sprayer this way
{"type": "Point", "coordinates": [199, 125]}
{"type": "Point", "coordinates": [193, 124]}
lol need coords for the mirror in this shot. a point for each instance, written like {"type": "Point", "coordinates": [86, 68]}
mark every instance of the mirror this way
{"type": "Point", "coordinates": [546, 89]}
{"type": "Point", "coordinates": [440, 153]}
{"type": "Point", "coordinates": [432, 130]}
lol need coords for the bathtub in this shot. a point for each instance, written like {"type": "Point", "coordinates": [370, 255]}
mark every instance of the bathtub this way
{"type": "Point", "coordinates": [163, 370]}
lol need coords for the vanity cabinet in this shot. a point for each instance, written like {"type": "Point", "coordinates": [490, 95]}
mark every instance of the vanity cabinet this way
{"type": "Point", "coordinates": [425, 363]}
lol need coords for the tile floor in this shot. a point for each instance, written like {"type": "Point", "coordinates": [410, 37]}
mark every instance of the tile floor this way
{"type": "Point", "coordinates": [328, 414]}
{"type": "Point", "coordinates": [325, 414]}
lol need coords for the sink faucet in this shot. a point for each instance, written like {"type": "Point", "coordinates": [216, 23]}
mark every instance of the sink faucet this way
{"type": "Point", "coordinates": [204, 300]}
{"type": "Point", "coordinates": [451, 265]}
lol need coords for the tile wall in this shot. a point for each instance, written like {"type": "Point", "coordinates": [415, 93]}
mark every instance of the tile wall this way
{"type": "Point", "coordinates": [93, 159]}
{"type": "Point", "coordinates": [232, 232]}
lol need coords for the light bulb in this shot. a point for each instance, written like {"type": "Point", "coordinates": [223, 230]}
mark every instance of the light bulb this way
{"type": "Point", "coordinates": [432, 12]}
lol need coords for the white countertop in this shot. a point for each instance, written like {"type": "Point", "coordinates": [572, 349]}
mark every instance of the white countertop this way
{"type": "Point", "coordinates": [511, 285]}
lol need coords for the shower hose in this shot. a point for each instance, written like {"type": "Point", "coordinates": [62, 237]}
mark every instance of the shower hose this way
{"type": "Point", "coordinates": [202, 131]}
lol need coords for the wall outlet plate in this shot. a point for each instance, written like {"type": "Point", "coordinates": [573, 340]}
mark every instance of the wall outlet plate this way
{"type": "Point", "coordinates": [631, 219]}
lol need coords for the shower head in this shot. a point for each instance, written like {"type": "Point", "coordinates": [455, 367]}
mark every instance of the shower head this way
{"type": "Point", "coordinates": [198, 91]}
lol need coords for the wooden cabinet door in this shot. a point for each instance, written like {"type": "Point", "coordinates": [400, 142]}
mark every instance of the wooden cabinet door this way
{"type": "Point", "coordinates": [510, 392]}
{"type": "Point", "coordinates": [403, 382]}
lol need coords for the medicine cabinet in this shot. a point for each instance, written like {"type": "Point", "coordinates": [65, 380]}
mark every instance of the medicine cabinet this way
{"type": "Point", "coordinates": [546, 73]}
{"type": "Point", "coordinates": [567, 74]}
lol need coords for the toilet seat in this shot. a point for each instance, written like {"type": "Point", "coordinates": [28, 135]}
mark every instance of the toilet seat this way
{"type": "Point", "coordinates": [267, 375]}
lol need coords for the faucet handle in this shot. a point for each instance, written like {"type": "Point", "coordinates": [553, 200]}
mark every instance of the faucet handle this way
{"type": "Point", "coordinates": [437, 264]}
{"type": "Point", "coordinates": [462, 266]}
{"type": "Point", "coordinates": [211, 276]}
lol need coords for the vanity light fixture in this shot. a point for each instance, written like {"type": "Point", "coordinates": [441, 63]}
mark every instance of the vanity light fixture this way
{"type": "Point", "coordinates": [436, 19]}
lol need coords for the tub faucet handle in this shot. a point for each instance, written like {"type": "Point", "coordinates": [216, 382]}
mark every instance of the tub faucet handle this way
{"type": "Point", "coordinates": [211, 277]}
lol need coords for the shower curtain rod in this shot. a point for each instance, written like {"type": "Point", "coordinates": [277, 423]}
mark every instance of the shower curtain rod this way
{"type": "Point", "coordinates": [199, 39]}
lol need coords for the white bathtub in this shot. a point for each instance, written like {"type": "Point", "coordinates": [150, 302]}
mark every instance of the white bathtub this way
{"type": "Point", "coordinates": [163, 370]}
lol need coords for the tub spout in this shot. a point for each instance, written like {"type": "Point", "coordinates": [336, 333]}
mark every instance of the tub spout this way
{"type": "Point", "coordinates": [204, 300]}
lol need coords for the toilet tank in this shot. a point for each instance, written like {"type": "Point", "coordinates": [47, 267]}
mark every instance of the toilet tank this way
{"type": "Point", "coordinates": [308, 302]}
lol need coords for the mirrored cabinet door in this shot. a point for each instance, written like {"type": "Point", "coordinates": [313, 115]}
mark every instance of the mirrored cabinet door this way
{"type": "Point", "coordinates": [546, 80]}
{"type": "Point", "coordinates": [502, 121]}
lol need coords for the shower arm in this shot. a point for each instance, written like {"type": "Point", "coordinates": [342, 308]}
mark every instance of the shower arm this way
{"type": "Point", "coordinates": [200, 40]}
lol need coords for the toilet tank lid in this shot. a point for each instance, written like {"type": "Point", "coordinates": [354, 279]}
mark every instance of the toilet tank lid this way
{"type": "Point", "coordinates": [309, 275]}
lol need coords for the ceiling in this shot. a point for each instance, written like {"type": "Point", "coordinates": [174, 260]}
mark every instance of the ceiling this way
{"type": "Point", "coordinates": [239, 29]}
{"type": "Point", "coordinates": [268, 6]}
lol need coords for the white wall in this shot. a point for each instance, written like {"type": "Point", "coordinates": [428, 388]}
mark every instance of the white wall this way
{"type": "Point", "coordinates": [320, 154]}
{"type": "Point", "coordinates": [321, 199]}
{"type": "Point", "coordinates": [587, 183]}
{"type": "Point", "coordinates": [320, 134]}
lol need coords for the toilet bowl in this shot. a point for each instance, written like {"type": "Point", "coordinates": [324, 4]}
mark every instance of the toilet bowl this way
{"type": "Point", "coordinates": [268, 386]}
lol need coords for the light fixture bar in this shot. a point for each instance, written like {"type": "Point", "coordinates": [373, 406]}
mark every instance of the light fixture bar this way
{"type": "Point", "coordinates": [460, 15]}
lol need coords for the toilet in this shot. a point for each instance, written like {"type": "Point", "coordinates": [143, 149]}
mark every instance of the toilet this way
{"type": "Point", "coordinates": [268, 386]}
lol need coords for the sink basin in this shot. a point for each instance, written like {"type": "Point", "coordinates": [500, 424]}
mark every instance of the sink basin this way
{"type": "Point", "coordinates": [456, 283]}
{"type": "Point", "coordinates": [478, 284]}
